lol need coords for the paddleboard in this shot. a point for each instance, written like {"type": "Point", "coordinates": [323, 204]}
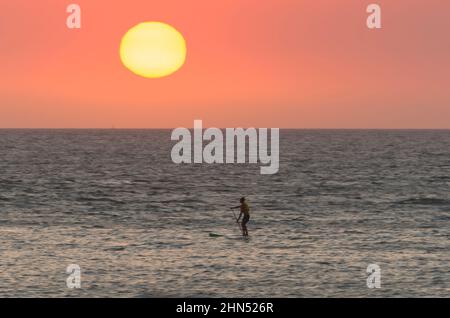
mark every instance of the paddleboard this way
{"type": "Point", "coordinates": [215, 235]}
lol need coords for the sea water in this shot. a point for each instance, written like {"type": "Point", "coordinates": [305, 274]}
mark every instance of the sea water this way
{"type": "Point", "coordinates": [114, 203]}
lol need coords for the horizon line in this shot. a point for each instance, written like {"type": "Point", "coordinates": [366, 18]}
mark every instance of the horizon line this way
{"type": "Point", "coordinates": [166, 128]}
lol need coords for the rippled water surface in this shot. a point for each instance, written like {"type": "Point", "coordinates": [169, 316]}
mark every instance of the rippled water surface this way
{"type": "Point", "coordinates": [138, 225]}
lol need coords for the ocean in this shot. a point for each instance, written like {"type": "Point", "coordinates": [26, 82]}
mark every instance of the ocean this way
{"type": "Point", "coordinates": [138, 225]}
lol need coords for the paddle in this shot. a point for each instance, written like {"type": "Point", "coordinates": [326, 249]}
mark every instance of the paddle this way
{"type": "Point", "coordinates": [237, 221]}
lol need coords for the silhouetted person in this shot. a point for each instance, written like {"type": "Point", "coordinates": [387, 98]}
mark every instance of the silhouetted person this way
{"type": "Point", "coordinates": [245, 211]}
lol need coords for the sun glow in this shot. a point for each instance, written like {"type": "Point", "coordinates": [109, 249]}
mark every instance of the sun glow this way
{"type": "Point", "coordinates": [153, 49]}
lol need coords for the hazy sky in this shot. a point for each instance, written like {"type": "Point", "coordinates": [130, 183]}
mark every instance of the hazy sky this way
{"type": "Point", "coordinates": [271, 63]}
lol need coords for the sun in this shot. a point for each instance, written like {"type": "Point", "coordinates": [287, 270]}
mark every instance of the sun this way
{"type": "Point", "coordinates": [153, 49]}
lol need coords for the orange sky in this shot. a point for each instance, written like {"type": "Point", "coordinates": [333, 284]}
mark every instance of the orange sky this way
{"type": "Point", "coordinates": [262, 63]}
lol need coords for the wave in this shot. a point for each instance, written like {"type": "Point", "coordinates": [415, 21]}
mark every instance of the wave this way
{"type": "Point", "coordinates": [424, 201]}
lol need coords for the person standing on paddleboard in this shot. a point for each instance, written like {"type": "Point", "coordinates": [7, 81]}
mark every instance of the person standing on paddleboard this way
{"type": "Point", "coordinates": [245, 211]}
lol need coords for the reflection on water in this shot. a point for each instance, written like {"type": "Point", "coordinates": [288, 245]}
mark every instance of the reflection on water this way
{"type": "Point", "coordinates": [113, 202]}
